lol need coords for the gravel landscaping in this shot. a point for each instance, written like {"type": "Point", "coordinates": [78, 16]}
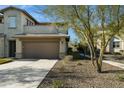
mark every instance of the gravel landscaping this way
{"type": "Point", "coordinates": [70, 73]}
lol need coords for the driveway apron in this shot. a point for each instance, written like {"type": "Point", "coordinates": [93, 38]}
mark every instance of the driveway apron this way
{"type": "Point", "coordinates": [24, 73]}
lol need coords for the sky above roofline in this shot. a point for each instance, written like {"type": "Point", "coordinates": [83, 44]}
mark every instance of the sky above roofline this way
{"type": "Point", "coordinates": [31, 9]}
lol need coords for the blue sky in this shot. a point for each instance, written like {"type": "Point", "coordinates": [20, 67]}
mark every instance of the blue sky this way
{"type": "Point", "coordinates": [31, 9]}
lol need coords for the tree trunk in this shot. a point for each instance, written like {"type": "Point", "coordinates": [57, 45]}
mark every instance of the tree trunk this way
{"type": "Point", "coordinates": [92, 55]}
{"type": "Point", "coordinates": [90, 45]}
{"type": "Point", "coordinates": [99, 60]}
{"type": "Point", "coordinates": [99, 64]}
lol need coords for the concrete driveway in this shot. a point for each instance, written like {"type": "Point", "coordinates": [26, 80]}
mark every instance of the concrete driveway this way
{"type": "Point", "coordinates": [24, 73]}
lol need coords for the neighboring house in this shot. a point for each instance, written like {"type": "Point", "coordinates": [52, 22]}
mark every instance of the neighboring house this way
{"type": "Point", "coordinates": [21, 36]}
{"type": "Point", "coordinates": [116, 45]}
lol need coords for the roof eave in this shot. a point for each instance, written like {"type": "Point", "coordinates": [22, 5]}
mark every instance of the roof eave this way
{"type": "Point", "coordinates": [41, 36]}
{"type": "Point", "coordinates": [25, 12]}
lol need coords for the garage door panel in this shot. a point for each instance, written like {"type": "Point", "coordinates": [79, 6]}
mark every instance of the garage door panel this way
{"type": "Point", "coordinates": [40, 49]}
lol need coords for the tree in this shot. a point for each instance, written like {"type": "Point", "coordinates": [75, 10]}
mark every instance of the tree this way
{"type": "Point", "coordinates": [86, 20]}
{"type": "Point", "coordinates": [111, 24]}
{"type": "Point", "coordinates": [79, 18]}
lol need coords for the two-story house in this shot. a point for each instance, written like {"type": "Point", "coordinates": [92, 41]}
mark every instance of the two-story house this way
{"type": "Point", "coordinates": [21, 36]}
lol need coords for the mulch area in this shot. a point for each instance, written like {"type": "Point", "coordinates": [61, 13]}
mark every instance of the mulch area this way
{"type": "Point", "coordinates": [82, 74]}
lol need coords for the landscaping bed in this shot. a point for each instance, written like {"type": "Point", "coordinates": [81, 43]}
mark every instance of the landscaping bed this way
{"type": "Point", "coordinates": [5, 60]}
{"type": "Point", "coordinates": [70, 73]}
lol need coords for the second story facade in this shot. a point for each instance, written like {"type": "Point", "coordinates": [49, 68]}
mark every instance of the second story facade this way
{"type": "Point", "coordinates": [17, 21]}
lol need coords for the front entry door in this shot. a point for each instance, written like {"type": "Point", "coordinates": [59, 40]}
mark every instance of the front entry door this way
{"type": "Point", "coordinates": [12, 48]}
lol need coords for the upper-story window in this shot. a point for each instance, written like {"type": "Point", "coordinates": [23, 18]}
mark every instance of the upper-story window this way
{"type": "Point", "coordinates": [12, 22]}
{"type": "Point", "coordinates": [28, 22]}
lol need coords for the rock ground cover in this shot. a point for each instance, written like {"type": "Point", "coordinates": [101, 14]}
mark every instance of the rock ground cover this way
{"type": "Point", "coordinates": [70, 73]}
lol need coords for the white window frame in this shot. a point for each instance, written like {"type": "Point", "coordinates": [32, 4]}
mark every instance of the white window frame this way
{"type": "Point", "coordinates": [12, 22]}
{"type": "Point", "coordinates": [116, 44]}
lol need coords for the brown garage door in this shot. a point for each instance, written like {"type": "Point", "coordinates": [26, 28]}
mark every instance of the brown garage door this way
{"type": "Point", "coordinates": [40, 49]}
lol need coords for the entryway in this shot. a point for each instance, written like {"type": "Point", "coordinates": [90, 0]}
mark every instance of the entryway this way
{"type": "Point", "coordinates": [12, 48]}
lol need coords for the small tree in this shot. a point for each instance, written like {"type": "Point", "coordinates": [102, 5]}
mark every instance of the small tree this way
{"type": "Point", "coordinates": [111, 23]}
{"type": "Point", "coordinates": [86, 20]}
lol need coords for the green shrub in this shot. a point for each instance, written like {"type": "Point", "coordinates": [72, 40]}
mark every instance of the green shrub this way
{"type": "Point", "coordinates": [5, 60]}
{"type": "Point", "coordinates": [116, 53]}
{"type": "Point", "coordinates": [57, 84]}
{"type": "Point", "coordinates": [76, 55]}
{"type": "Point", "coordinates": [69, 51]}
{"type": "Point", "coordinates": [120, 77]}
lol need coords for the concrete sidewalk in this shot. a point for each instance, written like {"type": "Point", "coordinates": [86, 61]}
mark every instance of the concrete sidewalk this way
{"type": "Point", "coordinates": [117, 64]}
{"type": "Point", "coordinates": [120, 65]}
{"type": "Point", "coordinates": [24, 74]}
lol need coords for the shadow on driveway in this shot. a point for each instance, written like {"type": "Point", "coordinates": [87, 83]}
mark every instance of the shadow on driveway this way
{"type": "Point", "coordinates": [21, 76]}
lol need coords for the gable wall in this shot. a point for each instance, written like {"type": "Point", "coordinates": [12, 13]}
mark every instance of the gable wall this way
{"type": "Point", "coordinates": [10, 32]}
{"type": "Point", "coordinates": [23, 19]}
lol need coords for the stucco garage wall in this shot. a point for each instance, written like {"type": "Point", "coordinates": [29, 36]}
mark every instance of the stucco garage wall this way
{"type": "Point", "coordinates": [63, 48]}
{"type": "Point", "coordinates": [62, 45]}
{"type": "Point", "coordinates": [1, 28]}
{"type": "Point", "coordinates": [1, 46]}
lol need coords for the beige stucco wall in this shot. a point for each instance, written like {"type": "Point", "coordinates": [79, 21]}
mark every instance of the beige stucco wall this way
{"type": "Point", "coordinates": [11, 32]}
{"type": "Point", "coordinates": [1, 46]}
{"type": "Point", "coordinates": [22, 28]}
{"type": "Point", "coordinates": [62, 48]}
{"type": "Point", "coordinates": [23, 19]}
{"type": "Point", "coordinates": [18, 48]}
{"type": "Point", "coordinates": [1, 28]}
{"type": "Point", "coordinates": [40, 29]}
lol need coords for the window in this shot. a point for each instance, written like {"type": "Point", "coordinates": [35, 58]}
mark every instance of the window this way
{"type": "Point", "coordinates": [116, 44]}
{"type": "Point", "coordinates": [28, 22]}
{"type": "Point", "coordinates": [12, 22]}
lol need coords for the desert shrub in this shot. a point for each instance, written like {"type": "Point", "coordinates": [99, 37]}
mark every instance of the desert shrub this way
{"type": "Point", "coordinates": [79, 63]}
{"type": "Point", "coordinates": [116, 53]}
{"type": "Point", "coordinates": [120, 77]}
{"type": "Point", "coordinates": [62, 68]}
{"type": "Point", "coordinates": [69, 51]}
{"type": "Point", "coordinates": [76, 55]}
{"type": "Point", "coordinates": [57, 84]}
{"type": "Point", "coordinates": [68, 58]}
